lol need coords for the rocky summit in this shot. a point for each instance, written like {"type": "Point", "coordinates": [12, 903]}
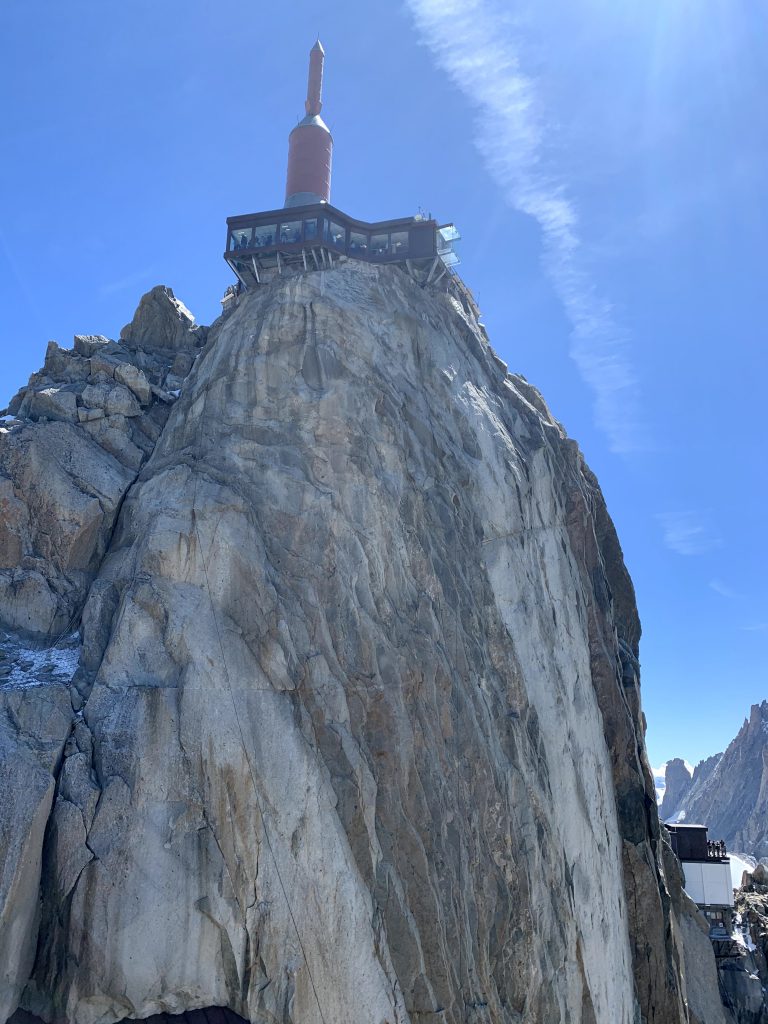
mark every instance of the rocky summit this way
{"type": "Point", "coordinates": [319, 684]}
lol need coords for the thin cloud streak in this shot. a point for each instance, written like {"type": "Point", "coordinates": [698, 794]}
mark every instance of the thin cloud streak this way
{"type": "Point", "coordinates": [688, 533]}
{"type": "Point", "coordinates": [475, 44]}
{"type": "Point", "coordinates": [724, 590]}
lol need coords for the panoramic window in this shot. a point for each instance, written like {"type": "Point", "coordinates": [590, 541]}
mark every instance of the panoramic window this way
{"type": "Point", "coordinates": [399, 242]}
{"type": "Point", "coordinates": [335, 234]}
{"type": "Point", "coordinates": [265, 234]}
{"type": "Point", "coordinates": [379, 244]}
{"type": "Point", "coordinates": [358, 241]}
{"type": "Point", "coordinates": [240, 239]}
{"type": "Point", "coordinates": [290, 231]}
{"type": "Point", "coordinates": [310, 229]}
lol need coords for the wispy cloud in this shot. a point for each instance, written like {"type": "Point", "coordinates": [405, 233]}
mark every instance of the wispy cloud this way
{"type": "Point", "coordinates": [758, 627]}
{"type": "Point", "coordinates": [476, 43]}
{"type": "Point", "coordinates": [723, 590]}
{"type": "Point", "coordinates": [688, 533]}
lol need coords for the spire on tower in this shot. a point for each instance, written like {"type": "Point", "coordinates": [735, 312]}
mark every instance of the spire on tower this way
{"type": "Point", "coordinates": [310, 145]}
{"type": "Point", "coordinates": [314, 103]}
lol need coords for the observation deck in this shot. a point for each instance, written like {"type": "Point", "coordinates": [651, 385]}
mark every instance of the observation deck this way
{"type": "Point", "coordinates": [314, 237]}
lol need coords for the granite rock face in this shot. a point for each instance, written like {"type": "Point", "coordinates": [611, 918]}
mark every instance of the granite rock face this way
{"type": "Point", "coordinates": [162, 323]}
{"type": "Point", "coordinates": [355, 734]}
{"type": "Point", "coordinates": [748, 988]}
{"type": "Point", "coordinates": [678, 783]}
{"type": "Point", "coordinates": [71, 445]}
{"type": "Point", "coordinates": [34, 725]}
{"type": "Point", "coordinates": [729, 792]}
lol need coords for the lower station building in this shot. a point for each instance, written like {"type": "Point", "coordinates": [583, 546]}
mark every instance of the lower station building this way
{"type": "Point", "coordinates": [707, 871]}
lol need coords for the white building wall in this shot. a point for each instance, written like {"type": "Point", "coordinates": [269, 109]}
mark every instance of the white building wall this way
{"type": "Point", "coordinates": [708, 883]}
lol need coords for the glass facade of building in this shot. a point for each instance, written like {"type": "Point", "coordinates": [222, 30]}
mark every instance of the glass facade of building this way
{"type": "Point", "coordinates": [300, 234]}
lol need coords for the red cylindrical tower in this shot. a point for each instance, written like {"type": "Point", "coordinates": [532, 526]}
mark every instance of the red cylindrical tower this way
{"type": "Point", "coordinates": [310, 144]}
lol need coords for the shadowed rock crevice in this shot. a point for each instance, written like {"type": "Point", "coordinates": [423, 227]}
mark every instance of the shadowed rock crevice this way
{"type": "Point", "coordinates": [207, 1015]}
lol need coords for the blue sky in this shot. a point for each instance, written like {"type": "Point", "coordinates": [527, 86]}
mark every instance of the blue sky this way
{"type": "Point", "coordinates": [605, 161]}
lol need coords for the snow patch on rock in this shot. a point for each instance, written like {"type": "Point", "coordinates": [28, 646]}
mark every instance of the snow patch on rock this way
{"type": "Point", "coordinates": [740, 862]}
{"type": "Point", "coordinates": [24, 664]}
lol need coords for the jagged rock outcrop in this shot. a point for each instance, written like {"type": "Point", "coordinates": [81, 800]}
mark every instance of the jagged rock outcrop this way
{"type": "Point", "coordinates": [704, 769]}
{"type": "Point", "coordinates": [729, 792]}
{"type": "Point", "coordinates": [678, 781]}
{"type": "Point", "coordinates": [742, 991]}
{"type": "Point", "coordinates": [355, 734]}
{"type": "Point", "coordinates": [163, 324]}
{"type": "Point", "coordinates": [71, 445]}
{"type": "Point", "coordinates": [752, 904]}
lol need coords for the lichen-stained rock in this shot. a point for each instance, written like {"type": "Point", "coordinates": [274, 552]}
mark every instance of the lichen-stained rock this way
{"type": "Point", "coordinates": [360, 737]}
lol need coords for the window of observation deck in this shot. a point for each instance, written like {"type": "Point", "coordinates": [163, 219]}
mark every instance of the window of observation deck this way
{"type": "Point", "coordinates": [336, 234]}
{"type": "Point", "coordinates": [290, 231]}
{"type": "Point", "coordinates": [398, 243]}
{"type": "Point", "coordinates": [265, 234]}
{"type": "Point", "coordinates": [358, 242]}
{"type": "Point", "coordinates": [240, 239]}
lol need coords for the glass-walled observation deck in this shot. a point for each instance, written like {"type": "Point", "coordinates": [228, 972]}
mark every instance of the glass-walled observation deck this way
{"type": "Point", "coordinates": [311, 236]}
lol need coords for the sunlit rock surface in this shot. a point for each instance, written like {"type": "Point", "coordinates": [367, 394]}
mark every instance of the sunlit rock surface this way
{"type": "Point", "coordinates": [355, 734]}
{"type": "Point", "coordinates": [71, 444]}
{"type": "Point", "coordinates": [678, 780]}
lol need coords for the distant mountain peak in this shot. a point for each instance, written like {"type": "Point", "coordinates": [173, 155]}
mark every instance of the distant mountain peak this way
{"type": "Point", "coordinates": [728, 792]}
